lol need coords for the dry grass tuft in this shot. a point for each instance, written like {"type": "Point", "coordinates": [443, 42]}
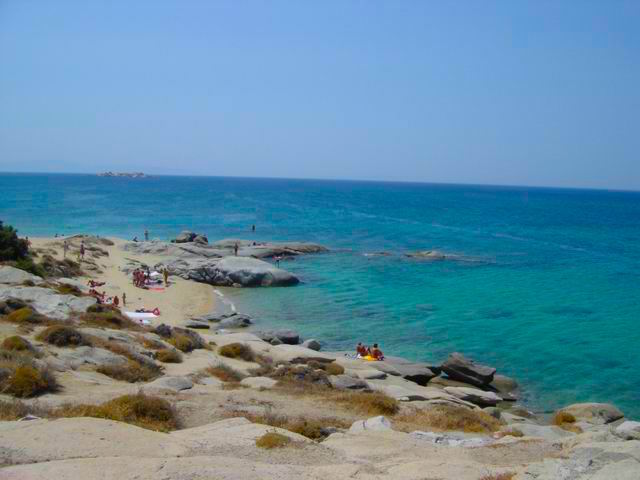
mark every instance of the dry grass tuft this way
{"type": "Point", "coordinates": [145, 411]}
{"type": "Point", "coordinates": [26, 315]}
{"type": "Point", "coordinates": [224, 373]}
{"type": "Point", "coordinates": [62, 336]}
{"type": "Point", "coordinates": [182, 342]}
{"type": "Point", "coordinates": [167, 355]}
{"type": "Point", "coordinates": [108, 317]}
{"type": "Point", "coordinates": [238, 351]}
{"type": "Point", "coordinates": [15, 410]}
{"type": "Point", "coordinates": [131, 372]}
{"type": "Point", "coordinates": [66, 289]}
{"type": "Point", "coordinates": [150, 343]}
{"type": "Point", "coordinates": [334, 369]}
{"type": "Point", "coordinates": [446, 418]}
{"type": "Point", "coordinates": [499, 476]}
{"type": "Point", "coordinates": [17, 344]}
{"type": "Point", "coordinates": [566, 421]}
{"type": "Point", "coordinates": [313, 428]}
{"type": "Point", "coordinates": [21, 378]}
{"type": "Point", "coordinates": [272, 440]}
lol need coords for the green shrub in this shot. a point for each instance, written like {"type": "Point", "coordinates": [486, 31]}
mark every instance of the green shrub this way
{"type": "Point", "coordinates": [28, 265]}
{"type": "Point", "coordinates": [62, 336]}
{"type": "Point", "coordinates": [108, 317]}
{"type": "Point", "coordinates": [66, 289]}
{"type": "Point", "coordinates": [25, 315]}
{"type": "Point", "coordinates": [11, 247]}
{"type": "Point", "coordinates": [17, 344]}
{"type": "Point", "coordinates": [237, 350]}
{"type": "Point", "coordinates": [167, 355]}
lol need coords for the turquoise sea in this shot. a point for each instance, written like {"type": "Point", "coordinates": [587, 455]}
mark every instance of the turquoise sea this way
{"type": "Point", "coordinates": [551, 296]}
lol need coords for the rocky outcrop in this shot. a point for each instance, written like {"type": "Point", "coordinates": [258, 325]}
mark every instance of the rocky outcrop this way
{"type": "Point", "coordinates": [288, 337]}
{"type": "Point", "coordinates": [628, 430]}
{"type": "Point", "coordinates": [184, 237]}
{"type": "Point", "coordinates": [168, 383]}
{"type": "Point", "coordinates": [458, 367]}
{"type": "Point", "coordinates": [594, 413]}
{"type": "Point", "coordinates": [15, 276]}
{"type": "Point", "coordinates": [77, 357]}
{"type": "Point", "coordinates": [346, 382]}
{"type": "Point", "coordinates": [46, 301]}
{"type": "Point", "coordinates": [312, 344]}
{"type": "Point", "coordinates": [376, 424]}
{"type": "Point", "coordinates": [475, 396]}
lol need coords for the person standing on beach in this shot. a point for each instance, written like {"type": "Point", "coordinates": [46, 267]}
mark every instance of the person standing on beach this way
{"type": "Point", "coordinates": [146, 235]}
{"type": "Point", "coordinates": [235, 249]}
{"type": "Point", "coordinates": [65, 248]}
{"type": "Point", "coordinates": [124, 298]}
{"type": "Point", "coordinates": [81, 252]}
{"type": "Point", "coordinates": [116, 301]}
{"type": "Point", "coordinates": [165, 274]}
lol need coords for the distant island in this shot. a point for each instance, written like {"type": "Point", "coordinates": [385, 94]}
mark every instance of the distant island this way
{"type": "Point", "coordinates": [123, 174]}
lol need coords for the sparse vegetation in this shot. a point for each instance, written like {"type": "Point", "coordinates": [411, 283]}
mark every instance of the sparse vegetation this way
{"type": "Point", "coordinates": [62, 336]}
{"type": "Point", "coordinates": [168, 355]}
{"type": "Point", "coordinates": [313, 428]}
{"type": "Point", "coordinates": [131, 372]}
{"type": "Point", "coordinates": [17, 344]}
{"type": "Point", "coordinates": [499, 476]}
{"type": "Point", "coordinates": [107, 317]}
{"type": "Point", "coordinates": [15, 410]}
{"type": "Point", "coordinates": [52, 267]}
{"type": "Point", "coordinates": [272, 440]}
{"type": "Point", "coordinates": [26, 315]}
{"type": "Point", "coordinates": [447, 417]}
{"type": "Point", "coordinates": [66, 289]}
{"type": "Point", "coordinates": [145, 411]}
{"type": "Point", "coordinates": [334, 369]}
{"type": "Point", "coordinates": [182, 342]}
{"type": "Point", "coordinates": [238, 351]}
{"type": "Point", "coordinates": [566, 421]}
{"type": "Point", "coordinates": [22, 378]}
{"type": "Point", "coordinates": [224, 373]}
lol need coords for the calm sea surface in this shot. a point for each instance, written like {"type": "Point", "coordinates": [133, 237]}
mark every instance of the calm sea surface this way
{"type": "Point", "coordinates": [550, 293]}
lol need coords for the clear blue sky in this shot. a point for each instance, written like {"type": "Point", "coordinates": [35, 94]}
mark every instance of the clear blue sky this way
{"type": "Point", "coordinates": [497, 92]}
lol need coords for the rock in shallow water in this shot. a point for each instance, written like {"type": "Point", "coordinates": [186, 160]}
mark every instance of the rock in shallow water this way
{"type": "Point", "coordinates": [458, 367]}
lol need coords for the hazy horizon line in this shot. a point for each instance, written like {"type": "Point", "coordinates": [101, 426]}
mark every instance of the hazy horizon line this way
{"type": "Point", "coordinates": [405, 182]}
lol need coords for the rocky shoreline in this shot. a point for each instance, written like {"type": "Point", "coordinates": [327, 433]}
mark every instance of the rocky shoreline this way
{"type": "Point", "coordinates": [226, 384]}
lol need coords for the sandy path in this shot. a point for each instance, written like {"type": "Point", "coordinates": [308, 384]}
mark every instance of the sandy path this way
{"type": "Point", "coordinates": [181, 300]}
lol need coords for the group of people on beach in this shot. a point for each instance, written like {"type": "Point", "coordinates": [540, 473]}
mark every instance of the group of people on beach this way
{"type": "Point", "coordinates": [142, 278]}
{"type": "Point", "coordinates": [369, 353]}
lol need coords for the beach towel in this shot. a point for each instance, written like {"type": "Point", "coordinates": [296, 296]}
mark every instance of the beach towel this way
{"type": "Point", "coordinates": [140, 315]}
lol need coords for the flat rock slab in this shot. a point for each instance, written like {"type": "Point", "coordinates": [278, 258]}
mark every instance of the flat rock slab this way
{"type": "Point", "coordinates": [297, 354]}
{"type": "Point", "coordinates": [258, 382]}
{"type": "Point", "coordinates": [76, 357]}
{"type": "Point", "coordinates": [345, 382]}
{"type": "Point", "coordinates": [47, 440]}
{"type": "Point", "coordinates": [628, 430]}
{"type": "Point", "coordinates": [15, 276]}
{"type": "Point", "coordinates": [48, 302]}
{"type": "Point", "coordinates": [473, 395]}
{"type": "Point", "coordinates": [174, 384]}
{"type": "Point", "coordinates": [548, 432]}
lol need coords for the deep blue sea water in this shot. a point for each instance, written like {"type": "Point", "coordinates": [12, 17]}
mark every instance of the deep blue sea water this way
{"type": "Point", "coordinates": [552, 299]}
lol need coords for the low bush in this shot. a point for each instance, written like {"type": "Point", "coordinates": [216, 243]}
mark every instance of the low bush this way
{"type": "Point", "coordinates": [107, 317]}
{"type": "Point", "coordinates": [28, 265]}
{"type": "Point", "coordinates": [131, 372]}
{"type": "Point", "coordinates": [11, 247]}
{"type": "Point", "coordinates": [150, 343]}
{"type": "Point", "coordinates": [142, 410]}
{"type": "Point", "coordinates": [17, 344]}
{"type": "Point", "coordinates": [60, 268]}
{"type": "Point", "coordinates": [66, 289]}
{"type": "Point", "coordinates": [313, 428]}
{"type": "Point", "coordinates": [272, 440]}
{"type": "Point", "coordinates": [167, 355]}
{"type": "Point", "coordinates": [224, 373]}
{"type": "Point", "coordinates": [566, 421]}
{"type": "Point", "coordinates": [237, 350]}
{"type": "Point", "coordinates": [182, 342]}
{"type": "Point", "coordinates": [23, 379]}
{"type": "Point", "coordinates": [334, 369]}
{"type": "Point", "coordinates": [62, 336]}
{"type": "Point", "coordinates": [25, 315]}
{"type": "Point", "coordinates": [448, 417]}
{"type": "Point", "coordinates": [499, 476]}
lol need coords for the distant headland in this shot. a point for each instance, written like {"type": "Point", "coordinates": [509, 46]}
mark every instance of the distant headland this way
{"type": "Point", "coordinates": [124, 174]}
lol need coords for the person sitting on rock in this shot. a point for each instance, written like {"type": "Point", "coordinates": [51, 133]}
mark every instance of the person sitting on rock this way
{"type": "Point", "coordinates": [361, 350]}
{"type": "Point", "coordinates": [376, 352]}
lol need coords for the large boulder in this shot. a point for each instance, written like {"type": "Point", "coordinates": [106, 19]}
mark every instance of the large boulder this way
{"type": "Point", "coordinates": [594, 413]}
{"type": "Point", "coordinates": [628, 430]}
{"type": "Point", "coordinates": [15, 276]}
{"type": "Point", "coordinates": [417, 373]}
{"type": "Point", "coordinates": [170, 383]}
{"type": "Point", "coordinates": [376, 424]}
{"type": "Point", "coordinates": [238, 320]}
{"type": "Point", "coordinates": [475, 396]}
{"type": "Point", "coordinates": [458, 367]}
{"type": "Point", "coordinates": [185, 236]}
{"type": "Point", "coordinates": [313, 344]}
{"type": "Point", "coordinates": [46, 301]}
{"type": "Point", "coordinates": [77, 357]}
